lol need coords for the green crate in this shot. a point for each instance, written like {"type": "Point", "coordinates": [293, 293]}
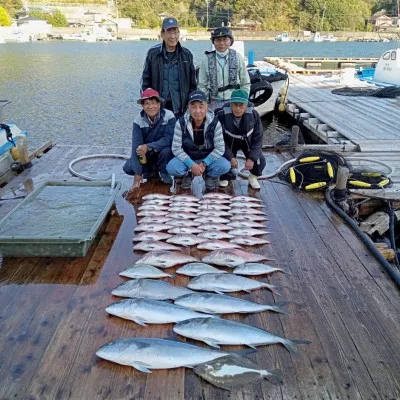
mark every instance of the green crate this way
{"type": "Point", "coordinates": [43, 225]}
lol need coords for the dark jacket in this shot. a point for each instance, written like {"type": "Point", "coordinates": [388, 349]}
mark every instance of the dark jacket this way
{"type": "Point", "coordinates": [248, 136]}
{"type": "Point", "coordinates": [153, 71]}
{"type": "Point", "coordinates": [157, 137]}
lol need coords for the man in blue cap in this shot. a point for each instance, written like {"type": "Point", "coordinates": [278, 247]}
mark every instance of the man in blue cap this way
{"type": "Point", "coordinates": [169, 69]}
{"type": "Point", "coordinates": [198, 145]}
{"type": "Point", "coordinates": [243, 130]}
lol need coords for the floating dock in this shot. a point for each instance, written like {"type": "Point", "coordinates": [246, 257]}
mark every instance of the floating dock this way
{"type": "Point", "coordinates": [53, 316]}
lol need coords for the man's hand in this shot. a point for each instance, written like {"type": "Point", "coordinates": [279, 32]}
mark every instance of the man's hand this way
{"type": "Point", "coordinates": [234, 163]}
{"type": "Point", "coordinates": [133, 192]}
{"type": "Point", "coordinates": [197, 169]}
{"type": "Point", "coordinates": [249, 164]}
{"type": "Point", "coordinates": [141, 150]}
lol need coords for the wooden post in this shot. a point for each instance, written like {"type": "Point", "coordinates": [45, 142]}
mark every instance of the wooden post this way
{"type": "Point", "coordinates": [22, 144]}
{"type": "Point", "coordinates": [295, 138]}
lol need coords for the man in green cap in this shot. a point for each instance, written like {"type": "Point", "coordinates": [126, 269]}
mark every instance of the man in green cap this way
{"type": "Point", "coordinates": [242, 130]}
{"type": "Point", "coordinates": [222, 70]}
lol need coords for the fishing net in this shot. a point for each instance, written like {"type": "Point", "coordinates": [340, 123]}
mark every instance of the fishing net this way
{"type": "Point", "coordinates": [389, 92]}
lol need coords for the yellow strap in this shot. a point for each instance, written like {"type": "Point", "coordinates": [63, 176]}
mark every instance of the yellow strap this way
{"type": "Point", "coordinates": [330, 169]}
{"type": "Point", "coordinates": [309, 159]}
{"type": "Point", "coordinates": [360, 184]}
{"type": "Point", "coordinates": [383, 183]}
{"type": "Point", "coordinates": [313, 186]}
{"type": "Point", "coordinates": [292, 175]}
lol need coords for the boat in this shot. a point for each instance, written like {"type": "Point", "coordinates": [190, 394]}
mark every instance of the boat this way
{"type": "Point", "coordinates": [283, 37]}
{"type": "Point", "coordinates": [329, 38]}
{"type": "Point", "coordinates": [316, 37]}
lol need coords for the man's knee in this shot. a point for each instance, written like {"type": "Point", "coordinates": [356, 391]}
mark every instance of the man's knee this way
{"type": "Point", "coordinates": [219, 167]}
{"type": "Point", "coordinates": [176, 167]}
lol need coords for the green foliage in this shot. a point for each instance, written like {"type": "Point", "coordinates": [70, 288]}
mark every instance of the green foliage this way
{"type": "Point", "coordinates": [4, 17]}
{"type": "Point", "coordinates": [11, 6]}
{"type": "Point", "coordinates": [57, 18]}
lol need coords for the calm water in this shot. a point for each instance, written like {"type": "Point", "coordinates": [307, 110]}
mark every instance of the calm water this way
{"type": "Point", "coordinates": [78, 93]}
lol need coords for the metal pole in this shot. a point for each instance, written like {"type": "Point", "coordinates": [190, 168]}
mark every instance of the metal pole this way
{"type": "Point", "coordinates": [207, 15]}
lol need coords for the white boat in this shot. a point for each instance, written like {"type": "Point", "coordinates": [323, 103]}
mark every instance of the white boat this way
{"type": "Point", "coordinates": [283, 37]}
{"type": "Point", "coordinates": [329, 38]}
{"type": "Point", "coordinates": [387, 70]}
{"type": "Point", "coordinates": [316, 37]}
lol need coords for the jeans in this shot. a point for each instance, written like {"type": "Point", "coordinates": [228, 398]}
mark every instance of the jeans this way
{"type": "Point", "coordinates": [217, 168]}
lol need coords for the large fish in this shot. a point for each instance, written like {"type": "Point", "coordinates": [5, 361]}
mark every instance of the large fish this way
{"type": "Point", "coordinates": [177, 230]}
{"type": "Point", "coordinates": [148, 311]}
{"type": "Point", "coordinates": [255, 269]}
{"type": "Point", "coordinates": [191, 204]}
{"type": "Point", "coordinates": [232, 257]}
{"type": "Point", "coordinates": [182, 215]}
{"type": "Point", "coordinates": [150, 289]}
{"type": "Point", "coordinates": [216, 235]}
{"type": "Point", "coordinates": [247, 232]}
{"type": "Point", "coordinates": [214, 201]}
{"type": "Point", "coordinates": [139, 237]}
{"type": "Point", "coordinates": [166, 259]}
{"type": "Point", "coordinates": [183, 222]}
{"type": "Point", "coordinates": [159, 202]}
{"type": "Point", "coordinates": [241, 199]}
{"type": "Point", "coordinates": [154, 245]}
{"type": "Point", "coordinates": [156, 196]}
{"type": "Point", "coordinates": [186, 240]}
{"type": "Point", "coordinates": [248, 217]}
{"type": "Point", "coordinates": [226, 283]}
{"type": "Point", "coordinates": [213, 213]}
{"type": "Point", "coordinates": [214, 207]}
{"type": "Point", "coordinates": [152, 227]}
{"type": "Point", "coordinates": [217, 244]}
{"type": "Point", "coordinates": [154, 220]}
{"type": "Point", "coordinates": [185, 198]}
{"type": "Point", "coordinates": [232, 372]}
{"type": "Point", "coordinates": [146, 354]}
{"type": "Point", "coordinates": [213, 227]}
{"type": "Point", "coordinates": [214, 331]}
{"type": "Point", "coordinates": [152, 213]}
{"type": "Point", "coordinates": [212, 220]}
{"type": "Point", "coordinates": [248, 204]}
{"type": "Point", "coordinates": [212, 303]}
{"type": "Point", "coordinates": [216, 195]}
{"type": "Point", "coordinates": [141, 271]}
{"type": "Point", "coordinates": [153, 207]}
{"type": "Point", "coordinates": [197, 269]}
{"type": "Point", "coordinates": [245, 224]}
{"type": "Point", "coordinates": [184, 209]}
{"type": "Point", "coordinates": [242, 210]}
{"type": "Point", "coordinates": [249, 241]}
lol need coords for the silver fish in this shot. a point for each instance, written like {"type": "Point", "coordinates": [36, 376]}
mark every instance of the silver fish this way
{"type": "Point", "coordinates": [153, 207]}
{"type": "Point", "coordinates": [246, 199]}
{"type": "Point", "coordinates": [152, 213]}
{"type": "Point", "coordinates": [247, 232]}
{"type": "Point", "coordinates": [241, 211]}
{"type": "Point", "coordinates": [148, 311]}
{"type": "Point", "coordinates": [214, 207]}
{"type": "Point", "coordinates": [253, 269]}
{"type": "Point", "coordinates": [192, 204]}
{"type": "Point", "coordinates": [249, 241]}
{"type": "Point", "coordinates": [154, 220]}
{"type": "Point", "coordinates": [139, 237]}
{"type": "Point", "coordinates": [185, 209]}
{"type": "Point", "coordinates": [216, 195]}
{"type": "Point", "coordinates": [232, 257]}
{"type": "Point", "coordinates": [184, 198]}
{"type": "Point", "coordinates": [159, 202]}
{"type": "Point", "coordinates": [140, 271]}
{"type": "Point", "coordinates": [212, 303]}
{"type": "Point", "coordinates": [197, 269]}
{"type": "Point", "coordinates": [155, 196]}
{"type": "Point", "coordinates": [214, 201]}
{"type": "Point", "coordinates": [248, 204]}
{"type": "Point", "coordinates": [226, 283]}
{"type": "Point", "coordinates": [245, 224]}
{"type": "Point", "coordinates": [150, 289]}
{"type": "Point", "coordinates": [216, 235]}
{"type": "Point", "coordinates": [186, 240]}
{"type": "Point", "coordinates": [213, 213]}
{"type": "Point", "coordinates": [232, 372]}
{"type": "Point", "coordinates": [214, 227]}
{"type": "Point", "coordinates": [165, 259]}
{"type": "Point", "coordinates": [184, 229]}
{"type": "Point", "coordinates": [146, 354]}
{"type": "Point", "coordinates": [212, 220]}
{"type": "Point", "coordinates": [154, 245]}
{"type": "Point", "coordinates": [152, 227]}
{"type": "Point", "coordinates": [248, 217]}
{"type": "Point", "coordinates": [183, 222]}
{"type": "Point", "coordinates": [216, 245]}
{"type": "Point", "coordinates": [182, 215]}
{"type": "Point", "coordinates": [214, 331]}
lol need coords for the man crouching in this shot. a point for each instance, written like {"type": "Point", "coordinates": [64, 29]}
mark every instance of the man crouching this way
{"type": "Point", "coordinates": [152, 134]}
{"type": "Point", "coordinates": [198, 145]}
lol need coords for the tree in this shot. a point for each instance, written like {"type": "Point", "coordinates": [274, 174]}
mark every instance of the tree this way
{"type": "Point", "coordinates": [11, 6]}
{"type": "Point", "coordinates": [57, 19]}
{"type": "Point", "coordinates": [5, 19]}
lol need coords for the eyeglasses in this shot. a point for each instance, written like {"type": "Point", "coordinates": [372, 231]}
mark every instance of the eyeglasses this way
{"type": "Point", "coordinates": [172, 32]}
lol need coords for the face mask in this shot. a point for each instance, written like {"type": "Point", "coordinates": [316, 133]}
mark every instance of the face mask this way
{"type": "Point", "coordinates": [223, 54]}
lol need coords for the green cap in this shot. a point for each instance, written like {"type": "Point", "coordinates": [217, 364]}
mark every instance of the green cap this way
{"type": "Point", "coordinates": [239, 96]}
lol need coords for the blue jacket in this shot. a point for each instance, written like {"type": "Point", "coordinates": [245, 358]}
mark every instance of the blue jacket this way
{"type": "Point", "coordinates": [157, 137]}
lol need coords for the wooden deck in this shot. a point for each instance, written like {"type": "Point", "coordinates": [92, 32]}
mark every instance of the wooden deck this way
{"type": "Point", "coordinates": [53, 310]}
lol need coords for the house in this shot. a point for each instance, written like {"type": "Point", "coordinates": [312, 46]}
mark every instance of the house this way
{"type": "Point", "coordinates": [381, 22]}
{"type": "Point", "coordinates": [248, 24]}
{"type": "Point", "coordinates": [33, 27]}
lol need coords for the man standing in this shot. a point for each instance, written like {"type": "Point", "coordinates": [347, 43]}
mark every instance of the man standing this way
{"type": "Point", "coordinates": [151, 139]}
{"type": "Point", "coordinates": [222, 70]}
{"type": "Point", "coordinates": [169, 69]}
{"type": "Point", "coordinates": [243, 130]}
{"type": "Point", "coordinates": [198, 145]}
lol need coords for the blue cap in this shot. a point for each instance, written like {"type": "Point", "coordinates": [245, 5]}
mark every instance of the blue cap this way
{"type": "Point", "coordinates": [169, 23]}
{"type": "Point", "coordinates": [197, 95]}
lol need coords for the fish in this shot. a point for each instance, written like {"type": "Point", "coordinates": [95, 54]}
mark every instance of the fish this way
{"type": "Point", "coordinates": [246, 205]}
{"type": "Point", "coordinates": [182, 215]}
{"type": "Point", "coordinates": [182, 209]}
{"type": "Point", "coordinates": [241, 199]}
{"type": "Point", "coordinates": [211, 220]}
{"type": "Point", "coordinates": [154, 220]}
{"type": "Point", "coordinates": [150, 289]}
{"type": "Point", "coordinates": [216, 245]}
{"type": "Point", "coordinates": [184, 229]}
{"type": "Point", "coordinates": [214, 207]}
{"type": "Point", "coordinates": [144, 271]}
{"type": "Point", "coordinates": [154, 245]}
{"type": "Point", "coordinates": [184, 198]}
{"type": "Point", "coordinates": [248, 217]}
{"type": "Point", "coordinates": [213, 213]}
{"type": "Point", "coordinates": [149, 311]}
{"type": "Point", "coordinates": [245, 224]}
{"type": "Point", "coordinates": [156, 196]}
{"type": "Point", "coordinates": [159, 202]}
{"type": "Point", "coordinates": [212, 303]}
{"type": "Point", "coordinates": [197, 269]}
{"type": "Point", "coordinates": [149, 227]}
{"type": "Point", "coordinates": [146, 354]}
{"type": "Point", "coordinates": [247, 232]}
{"type": "Point", "coordinates": [216, 195]}
{"type": "Point", "coordinates": [153, 207]}
{"type": "Point", "coordinates": [152, 213]}
{"type": "Point", "coordinates": [226, 283]}
{"type": "Point", "coordinates": [215, 331]}
{"type": "Point", "coordinates": [165, 259]}
{"type": "Point", "coordinates": [214, 227]}
{"type": "Point", "coordinates": [256, 269]}
{"type": "Point", "coordinates": [232, 257]}
{"type": "Point", "coordinates": [186, 240]}
{"type": "Point", "coordinates": [215, 201]}
{"type": "Point", "coordinates": [144, 236]}
{"type": "Point", "coordinates": [249, 241]}
{"type": "Point", "coordinates": [216, 235]}
{"type": "Point", "coordinates": [241, 211]}
{"type": "Point", "coordinates": [182, 222]}
{"type": "Point", "coordinates": [232, 372]}
{"type": "Point", "coordinates": [192, 204]}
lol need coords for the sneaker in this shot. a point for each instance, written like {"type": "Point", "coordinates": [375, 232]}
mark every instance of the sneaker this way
{"type": "Point", "coordinates": [224, 183]}
{"type": "Point", "coordinates": [187, 182]}
{"type": "Point", "coordinates": [210, 183]}
{"type": "Point", "coordinates": [253, 181]}
{"type": "Point", "coordinates": [165, 178]}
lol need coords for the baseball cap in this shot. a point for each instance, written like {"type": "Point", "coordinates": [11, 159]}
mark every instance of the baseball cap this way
{"type": "Point", "coordinates": [197, 95]}
{"type": "Point", "coordinates": [239, 96]}
{"type": "Point", "coordinates": [222, 32]}
{"type": "Point", "coordinates": [169, 23]}
{"type": "Point", "coordinates": [150, 94]}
